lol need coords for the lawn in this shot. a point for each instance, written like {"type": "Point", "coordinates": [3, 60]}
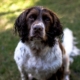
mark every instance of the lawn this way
{"type": "Point", "coordinates": [67, 10]}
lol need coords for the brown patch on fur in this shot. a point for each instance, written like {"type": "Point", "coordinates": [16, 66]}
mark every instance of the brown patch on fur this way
{"type": "Point", "coordinates": [36, 51]}
{"type": "Point", "coordinates": [33, 11]}
{"type": "Point", "coordinates": [61, 73]}
{"type": "Point", "coordinates": [61, 47]}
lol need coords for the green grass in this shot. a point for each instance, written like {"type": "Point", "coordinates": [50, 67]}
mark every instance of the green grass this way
{"type": "Point", "coordinates": [67, 11]}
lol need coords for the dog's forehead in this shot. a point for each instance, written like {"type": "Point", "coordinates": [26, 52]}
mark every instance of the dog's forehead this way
{"type": "Point", "coordinates": [39, 9]}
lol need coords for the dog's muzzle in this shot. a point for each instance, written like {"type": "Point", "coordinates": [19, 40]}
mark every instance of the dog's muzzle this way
{"type": "Point", "coordinates": [37, 31]}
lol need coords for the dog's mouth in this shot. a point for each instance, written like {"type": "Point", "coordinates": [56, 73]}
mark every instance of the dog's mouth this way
{"type": "Point", "coordinates": [36, 37]}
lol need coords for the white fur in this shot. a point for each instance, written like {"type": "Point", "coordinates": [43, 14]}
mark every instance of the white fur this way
{"type": "Point", "coordinates": [40, 24]}
{"type": "Point", "coordinates": [69, 44]}
{"type": "Point", "coordinates": [39, 66]}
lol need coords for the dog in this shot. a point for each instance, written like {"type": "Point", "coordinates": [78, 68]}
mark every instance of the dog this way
{"type": "Point", "coordinates": [39, 54]}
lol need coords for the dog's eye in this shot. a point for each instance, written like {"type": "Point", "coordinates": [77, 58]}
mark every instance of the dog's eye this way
{"type": "Point", "coordinates": [46, 18]}
{"type": "Point", "coordinates": [32, 17]}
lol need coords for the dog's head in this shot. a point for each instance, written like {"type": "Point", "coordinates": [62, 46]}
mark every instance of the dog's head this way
{"type": "Point", "coordinates": [38, 23]}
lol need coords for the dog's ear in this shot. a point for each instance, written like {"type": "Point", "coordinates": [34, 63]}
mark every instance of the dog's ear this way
{"type": "Point", "coordinates": [21, 25]}
{"type": "Point", "coordinates": [56, 27]}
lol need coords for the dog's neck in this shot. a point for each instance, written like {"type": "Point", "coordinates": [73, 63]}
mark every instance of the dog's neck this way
{"type": "Point", "coordinates": [37, 47]}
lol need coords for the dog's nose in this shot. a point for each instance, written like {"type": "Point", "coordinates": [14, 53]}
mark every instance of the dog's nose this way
{"type": "Point", "coordinates": [38, 28]}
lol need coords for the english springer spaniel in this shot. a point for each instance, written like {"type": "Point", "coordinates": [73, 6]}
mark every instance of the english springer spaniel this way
{"type": "Point", "coordinates": [39, 54]}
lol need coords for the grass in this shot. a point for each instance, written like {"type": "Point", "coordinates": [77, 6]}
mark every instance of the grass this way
{"type": "Point", "coordinates": [67, 11]}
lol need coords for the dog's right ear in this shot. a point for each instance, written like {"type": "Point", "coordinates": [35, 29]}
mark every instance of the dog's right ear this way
{"type": "Point", "coordinates": [20, 24]}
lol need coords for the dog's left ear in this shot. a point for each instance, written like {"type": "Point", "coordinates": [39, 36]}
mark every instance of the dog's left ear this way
{"type": "Point", "coordinates": [56, 26]}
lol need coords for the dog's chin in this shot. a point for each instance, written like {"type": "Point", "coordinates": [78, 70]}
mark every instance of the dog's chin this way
{"type": "Point", "coordinates": [36, 38]}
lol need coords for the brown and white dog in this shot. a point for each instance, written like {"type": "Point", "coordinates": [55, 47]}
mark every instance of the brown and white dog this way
{"type": "Point", "coordinates": [39, 54]}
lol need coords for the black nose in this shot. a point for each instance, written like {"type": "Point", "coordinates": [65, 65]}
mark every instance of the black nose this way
{"type": "Point", "coordinates": [38, 28]}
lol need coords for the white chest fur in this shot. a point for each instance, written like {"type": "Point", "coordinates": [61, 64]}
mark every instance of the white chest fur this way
{"type": "Point", "coordinates": [39, 66]}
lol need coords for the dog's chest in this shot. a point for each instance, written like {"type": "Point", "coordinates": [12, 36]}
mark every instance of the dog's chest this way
{"type": "Point", "coordinates": [42, 66]}
{"type": "Point", "coordinates": [39, 66]}
{"type": "Point", "coordinates": [35, 65]}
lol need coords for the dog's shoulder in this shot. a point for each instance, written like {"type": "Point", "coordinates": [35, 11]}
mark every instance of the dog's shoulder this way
{"type": "Point", "coordinates": [20, 51]}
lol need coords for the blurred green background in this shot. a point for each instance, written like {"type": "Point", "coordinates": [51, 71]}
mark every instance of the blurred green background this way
{"type": "Point", "coordinates": [67, 10]}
